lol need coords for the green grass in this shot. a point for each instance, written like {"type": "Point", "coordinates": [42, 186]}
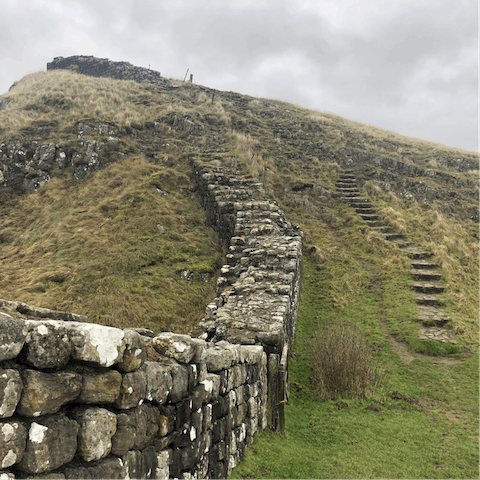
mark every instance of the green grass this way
{"type": "Point", "coordinates": [431, 433]}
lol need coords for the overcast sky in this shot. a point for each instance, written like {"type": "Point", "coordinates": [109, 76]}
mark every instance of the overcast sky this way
{"type": "Point", "coordinates": [410, 66]}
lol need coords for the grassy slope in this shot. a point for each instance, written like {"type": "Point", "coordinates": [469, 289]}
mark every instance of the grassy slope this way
{"type": "Point", "coordinates": [432, 435]}
{"type": "Point", "coordinates": [95, 248]}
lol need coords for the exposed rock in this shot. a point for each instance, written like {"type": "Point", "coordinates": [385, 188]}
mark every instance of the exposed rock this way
{"type": "Point", "coordinates": [44, 393]}
{"type": "Point", "coordinates": [51, 443]}
{"type": "Point", "coordinates": [13, 438]}
{"type": "Point", "coordinates": [10, 391]}
{"type": "Point", "coordinates": [96, 429]}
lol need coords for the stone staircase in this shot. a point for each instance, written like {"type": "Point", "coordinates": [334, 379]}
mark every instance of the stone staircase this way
{"type": "Point", "coordinates": [427, 278]}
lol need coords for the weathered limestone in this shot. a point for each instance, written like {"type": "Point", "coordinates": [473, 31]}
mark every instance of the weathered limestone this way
{"type": "Point", "coordinates": [44, 393]}
{"type": "Point", "coordinates": [51, 442]}
{"type": "Point", "coordinates": [96, 429]}
{"type": "Point", "coordinates": [12, 336]}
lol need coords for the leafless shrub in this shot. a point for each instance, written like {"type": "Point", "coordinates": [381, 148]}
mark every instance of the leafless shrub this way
{"type": "Point", "coordinates": [344, 365]}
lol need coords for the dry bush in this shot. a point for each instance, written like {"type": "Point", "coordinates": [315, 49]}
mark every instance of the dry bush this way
{"type": "Point", "coordinates": [344, 365]}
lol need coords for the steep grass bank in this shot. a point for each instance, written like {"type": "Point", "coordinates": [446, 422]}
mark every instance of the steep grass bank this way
{"type": "Point", "coordinates": [129, 246]}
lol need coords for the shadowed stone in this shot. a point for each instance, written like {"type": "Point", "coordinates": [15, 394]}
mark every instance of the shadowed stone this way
{"type": "Point", "coordinates": [13, 437]}
{"type": "Point", "coordinates": [51, 443]}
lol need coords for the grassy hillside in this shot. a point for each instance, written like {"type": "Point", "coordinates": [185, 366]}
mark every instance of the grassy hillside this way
{"type": "Point", "coordinates": [130, 246]}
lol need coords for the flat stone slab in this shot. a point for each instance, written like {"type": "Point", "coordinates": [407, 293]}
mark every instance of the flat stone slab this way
{"type": "Point", "coordinates": [429, 299]}
{"type": "Point", "coordinates": [438, 334]}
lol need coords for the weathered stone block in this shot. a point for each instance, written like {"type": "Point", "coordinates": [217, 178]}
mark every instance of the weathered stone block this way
{"type": "Point", "coordinates": [13, 333]}
{"type": "Point", "coordinates": [159, 382]}
{"type": "Point", "coordinates": [136, 429]}
{"type": "Point", "coordinates": [182, 348]}
{"type": "Point", "coordinates": [96, 343]}
{"type": "Point", "coordinates": [217, 358]}
{"type": "Point", "coordinates": [135, 352]}
{"type": "Point", "coordinates": [109, 467]}
{"type": "Point", "coordinates": [162, 471]}
{"type": "Point", "coordinates": [44, 393]}
{"type": "Point", "coordinates": [133, 390]}
{"type": "Point", "coordinates": [250, 354]}
{"type": "Point", "coordinates": [179, 389]}
{"type": "Point", "coordinates": [74, 473]}
{"type": "Point", "coordinates": [47, 344]}
{"type": "Point", "coordinates": [96, 428]}
{"type": "Point", "coordinates": [51, 443]}
{"type": "Point", "coordinates": [13, 438]}
{"type": "Point", "coordinates": [99, 386]}
{"type": "Point", "coordinates": [10, 391]}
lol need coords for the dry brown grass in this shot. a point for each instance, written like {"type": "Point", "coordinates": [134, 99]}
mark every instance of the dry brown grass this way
{"type": "Point", "coordinates": [95, 248]}
{"type": "Point", "coordinates": [343, 363]}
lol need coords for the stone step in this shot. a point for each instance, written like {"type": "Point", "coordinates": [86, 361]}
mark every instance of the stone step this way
{"type": "Point", "coordinates": [438, 334]}
{"type": "Point", "coordinates": [416, 253]}
{"type": "Point", "coordinates": [369, 216]}
{"type": "Point", "coordinates": [427, 286]}
{"type": "Point", "coordinates": [346, 175]}
{"type": "Point", "coordinates": [401, 243]}
{"type": "Point", "coordinates": [366, 210]}
{"type": "Point", "coordinates": [359, 204]}
{"type": "Point", "coordinates": [349, 195]}
{"type": "Point", "coordinates": [423, 264]}
{"type": "Point", "coordinates": [431, 315]}
{"type": "Point", "coordinates": [376, 224]}
{"type": "Point", "coordinates": [394, 236]}
{"type": "Point", "coordinates": [420, 274]}
{"type": "Point", "coordinates": [346, 181]}
{"type": "Point", "coordinates": [348, 192]}
{"type": "Point", "coordinates": [430, 299]}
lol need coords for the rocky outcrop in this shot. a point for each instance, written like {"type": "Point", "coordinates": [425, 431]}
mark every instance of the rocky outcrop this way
{"type": "Point", "coordinates": [103, 67]}
{"type": "Point", "coordinates": [453, 193]}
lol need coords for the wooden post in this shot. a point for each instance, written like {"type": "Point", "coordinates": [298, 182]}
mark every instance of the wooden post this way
{"type": "Point", "coordinates": [191, 78]}
{"type": "Point", "coordinates": [185, 77]}
{"type": "Point", "coordinates": [283, 396]}
{"type": "Point", "coordinates": [213, 96]}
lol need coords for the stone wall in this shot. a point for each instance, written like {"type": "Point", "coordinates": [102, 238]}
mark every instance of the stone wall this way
{"type": "Point", "coordinates": [80, 400]}
{"type": "Point", "coordinates": [103, 67]}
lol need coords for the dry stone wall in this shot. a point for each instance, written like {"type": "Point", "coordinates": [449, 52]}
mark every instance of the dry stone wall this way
{"type": "Point", "coordinates": [103, 67]}
{"type": "Point", "coordinates": [80, 400]}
